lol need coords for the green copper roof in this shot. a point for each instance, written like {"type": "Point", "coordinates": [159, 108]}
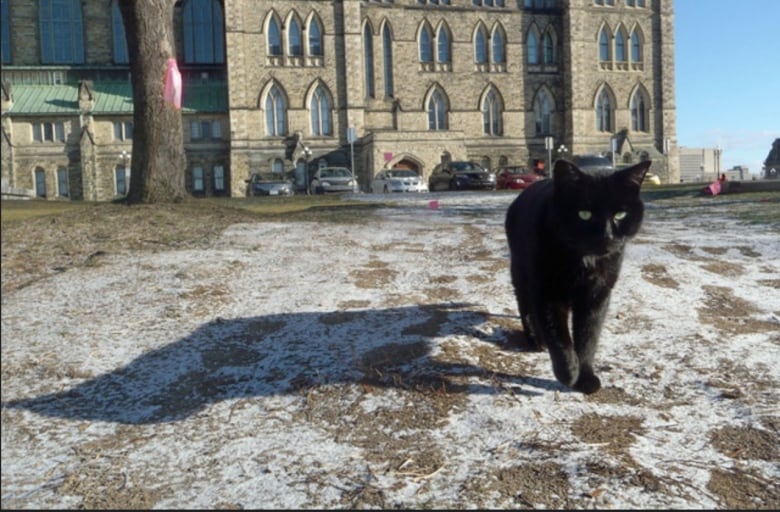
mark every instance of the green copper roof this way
{"type": "Point", "coordinates": [110, 98]}
{"type": "Point", "coordinates": [44, 99]}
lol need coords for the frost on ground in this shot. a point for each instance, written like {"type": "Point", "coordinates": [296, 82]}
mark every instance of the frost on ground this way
{"type": "Point", "coordinates": [374, 364]}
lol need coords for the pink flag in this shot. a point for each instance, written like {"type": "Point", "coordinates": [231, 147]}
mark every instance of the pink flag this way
{"type": "Point", "coordinates": [172, 84]}
{"type": "Point", "coordinates": [714, 188]}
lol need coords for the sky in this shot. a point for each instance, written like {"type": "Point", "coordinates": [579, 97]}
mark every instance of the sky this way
{"type": "Point", "coordinates": [323, 365]}
{"type": "Point", "coordinates": [727, 66]}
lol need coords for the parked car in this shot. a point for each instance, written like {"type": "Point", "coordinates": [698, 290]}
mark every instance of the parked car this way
{"type": "Point", "coordinates": [398, 180]}
{"type": "Point", "coordinates": [270, 184]}
{"type": "Point", "coordinates": [333, 179]}
{"type": "Point", "coordinates": [461, 175]}
{"type": "Point", "coordinates": [651, 179]}
{"type": "Point", "coordinates": [593, 163]}
{"type": "Point", "coordinates": [516, 177]}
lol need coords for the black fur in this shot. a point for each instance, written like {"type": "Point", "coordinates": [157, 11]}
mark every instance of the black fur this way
{"type": "Point", "coordinates": [565, 261]}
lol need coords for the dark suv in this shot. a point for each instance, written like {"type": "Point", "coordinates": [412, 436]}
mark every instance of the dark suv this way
{"type": "Point", "coordinates": [461, 175]}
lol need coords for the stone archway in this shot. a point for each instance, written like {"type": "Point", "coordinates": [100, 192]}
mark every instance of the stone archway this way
{"type": "Point", "coordinates": [407, 163]}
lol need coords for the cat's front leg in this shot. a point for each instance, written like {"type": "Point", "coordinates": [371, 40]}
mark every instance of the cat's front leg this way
{"type": "Point", "coordinates": [554, 332]}
{"type": "Point", "coordinates": [587, 320]}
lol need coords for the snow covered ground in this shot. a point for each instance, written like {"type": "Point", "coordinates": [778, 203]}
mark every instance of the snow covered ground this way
{"type": "Point", "coordinates": [371, 365]}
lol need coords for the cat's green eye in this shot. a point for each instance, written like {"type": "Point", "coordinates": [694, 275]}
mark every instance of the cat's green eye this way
{"type": "Point", "coordinates": [620, 215]}
{"type": "Point", "coordinates": [585, 214]}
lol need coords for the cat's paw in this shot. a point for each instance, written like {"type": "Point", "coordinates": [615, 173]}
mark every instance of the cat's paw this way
{"type": "Point", "coordinates": [587, 383]}
{"type": "Point", "coordinates": [567, 374]}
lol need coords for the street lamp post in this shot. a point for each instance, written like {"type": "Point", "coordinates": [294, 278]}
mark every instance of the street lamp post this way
{"type": "Point", "coordinates": [667, 145]}
{"type": "Point", "coordinates": [306, 156]}
{"type": "Point", "coordinates": [125, 159]}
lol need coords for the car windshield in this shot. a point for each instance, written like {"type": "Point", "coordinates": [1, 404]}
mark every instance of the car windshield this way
{"type": "Point", "coordinates": [516, 170]}
{"type": "Point", "coordinates": [270, 176]}
{"type": "Point", "coordinates": [465, 166]}
{"type": "Point", "coordinates": [401, 173]}
{"type": "Point", "coordinates": [335, 173]}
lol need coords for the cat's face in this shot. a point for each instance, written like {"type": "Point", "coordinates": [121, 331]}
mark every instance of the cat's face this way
{"type": "Point", "coordinates": [595, 213]}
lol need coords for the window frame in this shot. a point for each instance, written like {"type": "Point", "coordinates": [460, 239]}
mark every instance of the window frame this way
{"type": "Point", "coordinates": [274, 38]}
{"type": "Point", "coordinates": [320, 109]}
{"type": "Point", "coordinates": [5, 30]}
{"type": "Point", "coordinates": [492, 115]}
{"type": "Point", "coordinates": [542, 113]}
{"type": "Point", "coordinates": [275, 112]}
{"type": "Point", "coordinates": [387, 63]}
{"type": "Point", "coordinates": [63, 182]}
{"type": "Point", "coordinates": [120, 53]}
{"type": "Point", "coordinates": [198, 180]}
{"type": "Point", "coordinates": [437, 112]}
{"type": "Point", "coordinates": [49, 132]}
{"type": "Point", "coordinates": [203, 32]}
{"type": "Point", "coordinates": [604, 112]}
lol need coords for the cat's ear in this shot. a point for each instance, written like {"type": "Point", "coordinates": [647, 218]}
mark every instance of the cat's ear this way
{"type": "Point", "coordinates": [634, 175]}
{"type": "Point", "coordinates": [566, 172]}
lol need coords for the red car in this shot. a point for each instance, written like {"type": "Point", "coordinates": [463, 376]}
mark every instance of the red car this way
{"type": "Point", "coordinates": [516, 178]}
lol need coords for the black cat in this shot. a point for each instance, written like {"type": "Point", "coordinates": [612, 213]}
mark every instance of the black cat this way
{"type": "Point", "coordinates": [566, 239]}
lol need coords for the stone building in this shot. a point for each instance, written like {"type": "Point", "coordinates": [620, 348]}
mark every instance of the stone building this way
{"type": "Point", "coordinates": [699, 164]}
{"type": "Point", "coordinates": [771, 170]}
{"type": "Point", "coordinates": [368, 84]}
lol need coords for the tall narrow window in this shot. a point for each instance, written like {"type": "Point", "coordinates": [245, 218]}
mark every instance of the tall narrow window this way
{"type": "Point", "coordinates": [274, 112]}
{"type": "Point", "coordinates": [320, 113]}
{"type": "Point", "coordinates": [368, 59]}
{"type": "Point", "coordinates": [620, 46]}
{"type": "Point", "coordinates": [62, 33]}
{"type": "Point", "coordinates": [638, 113]}
{"type": "Point", "coordinates": [532, 47]}
{"type": "Point", "coordinates": [437, 112]}
{"type": "Point", "coordinates": [480, 46]}
{"type": "Point", "coordinates": [426, 45]}
{"type": "Point", "coordinates": [120, 177]}
{"type": "Point", "coordinates": [542, 113]}
{"type": "Point", "coordinates": [443, 45]}
{"type": "Point", "coordinates": [294, 43]}
{"type": "Point", "coordinates": [203, 29]}
{"type": "Point", "coordinates": [549, 49]}
{"type": "Point", "coordinates": [40, 183]}
{"type": "Point", "coordinates": [219, 179]}
{"type": "Point", "coordinates": [603, 113]}
{"type": "Point", "coordinates": [198, 185]}
{"type": "Point", "coordinates": [315, 38]}
{"type": "Point", "coordinates": [387, 54]}
{"type": "Point", "coordinates": [274, 38]}
{"type": "Point", "coordinates": [5, 32]}
{"type": "Point", "coordinates": [604, 46]}
{"type": "Point", "coordinates": [120, 41]}
{"type": "Point", "coordinates": [123, 130]}
{"type": "Point", "coordinates": [636, 47]}
{"type": "Point", "coordinates": [499, 54]}
{"type": "Point", "coordinates": [491, 115]}
{"type": "Point", "coordinates": [62, 182]}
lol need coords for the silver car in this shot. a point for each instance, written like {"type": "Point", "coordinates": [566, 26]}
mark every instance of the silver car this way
{"type": "Point", "coordinates": [333, 179]}
{"type": "Point", "coordinates": [398, 180]}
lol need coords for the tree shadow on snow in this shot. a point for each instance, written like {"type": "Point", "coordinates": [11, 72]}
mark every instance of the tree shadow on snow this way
{"type": "Point", "coordinates": [284, 354]}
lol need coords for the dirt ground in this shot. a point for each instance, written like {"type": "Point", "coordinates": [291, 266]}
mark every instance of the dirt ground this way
{"type": "Point", "coordinates": [395, 404]}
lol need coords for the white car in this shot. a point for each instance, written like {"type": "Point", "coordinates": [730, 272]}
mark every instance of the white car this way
{"type": "Point", "coordinates": [398, 180]}
{"type": "Point", "coordinates": [333, 179]}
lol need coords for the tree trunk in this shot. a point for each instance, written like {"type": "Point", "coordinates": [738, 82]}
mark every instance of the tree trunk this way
{"type": "Point", "coordinates": [158, 161]}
